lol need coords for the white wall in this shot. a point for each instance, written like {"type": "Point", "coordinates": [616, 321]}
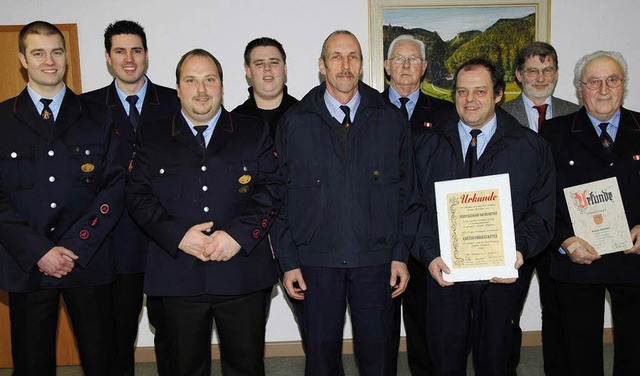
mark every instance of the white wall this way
{"type": "Point", "coordinates": [224, 28]}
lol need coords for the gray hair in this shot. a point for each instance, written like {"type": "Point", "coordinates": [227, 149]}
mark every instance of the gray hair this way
{"type": "Point", "coordinates": [407, 37]}
{"type": "Point", "coordinates": [586, 59]}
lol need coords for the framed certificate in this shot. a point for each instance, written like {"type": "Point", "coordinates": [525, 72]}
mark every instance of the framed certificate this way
{"type": "Point", "coordinates": [597, 215]}
{"type": "Point", "coordinates": [475, 225]}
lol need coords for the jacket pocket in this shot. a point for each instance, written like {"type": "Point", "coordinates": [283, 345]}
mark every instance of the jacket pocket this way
{"type": "Point", "coordinates": [305, 190]}
{"type": "Point", "coordinates": [166, 182]}
{"type": "Point", "coordinates": [384, 210]}
{"type": "Point", "coordinates": [86, 162]}
{"type": "Point", "coordinates": [17, 166]}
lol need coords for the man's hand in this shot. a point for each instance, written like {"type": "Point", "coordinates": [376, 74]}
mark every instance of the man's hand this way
{"type": "Point", "coordinates": [436, 268]}
{"type": "Point", "coordinates": [399, 278]}
{"type": "Point", "coordinates": [195, 242]}
{"type": "Point", "coordinates": [579, 251]}
{"type": "Point", "coordinates": [57, 262]}
{"type": "Point", "coordinates": [635, 238]}
{"type": "Point", "coordinates": [518, 264]}
{"type": "Point", "coordinates": [294, 284]}
{"type": "Point", "coordinates": [223, 247]}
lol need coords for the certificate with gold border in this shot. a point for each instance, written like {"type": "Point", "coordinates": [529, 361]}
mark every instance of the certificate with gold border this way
{"type": "Point", "coordinates": [597, 215]}
{"type": "Point", "coordinates": [475, 225]}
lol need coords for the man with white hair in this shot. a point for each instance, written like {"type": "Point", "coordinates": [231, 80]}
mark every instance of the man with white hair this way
{"type": "Point", "coordinates": [406, 65]}
{"type": "Point", "coordinates": [599, 141]}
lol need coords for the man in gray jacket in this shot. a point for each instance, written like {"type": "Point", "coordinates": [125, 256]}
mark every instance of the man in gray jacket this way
{"type": "Point", "coordinates": [537, 73]}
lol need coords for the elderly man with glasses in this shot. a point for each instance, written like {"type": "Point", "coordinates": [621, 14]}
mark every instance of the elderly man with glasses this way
{"type": "Point", "coordinates": [601, 140]}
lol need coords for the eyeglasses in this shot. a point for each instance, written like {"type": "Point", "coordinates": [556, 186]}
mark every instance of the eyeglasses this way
{"type": "Point", "coordinates": [595, 83]}
{"type": "Point", "coordinates": [533, 72]}
{"type": "Point", "coordinates": [479, 93]}
{"type": "Point", "coordinates": [399, 60]}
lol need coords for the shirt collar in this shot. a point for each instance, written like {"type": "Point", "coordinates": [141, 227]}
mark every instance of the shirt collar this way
{"type": "Point", "coordinates": [528, 104]}
{"type": "Point", "coordinates": [55, 104]}
{"type": "Point", "coordinates": [333, 105]}
{"type": "Point", "coordinates": [140, 93]}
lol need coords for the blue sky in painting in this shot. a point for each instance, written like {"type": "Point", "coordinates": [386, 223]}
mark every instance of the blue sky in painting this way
{"type": "Point", "coordinates": [452, 20]}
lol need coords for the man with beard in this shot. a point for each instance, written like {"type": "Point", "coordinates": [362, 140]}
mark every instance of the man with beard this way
{"type": "Point", "coordinates": [132, 99]}
{"type": "Point", "coordinates": [537, 73]}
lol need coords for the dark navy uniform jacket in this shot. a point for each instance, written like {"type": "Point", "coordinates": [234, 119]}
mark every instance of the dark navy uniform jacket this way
{"type": "Point", "coordinates": [513, 149]}
{"type": "Point", "coordinates": [345, 207]}
{"type": "Point", "coordinates": [58, 187]}
{"type": "Point", "coordinates": [429, 112]}
{"type": "Point", "coordinates": [235, 183]}
{"type": "Point", "coordinates": [580, 158]}
{"type": "Point", "coordinates": [128, 241]}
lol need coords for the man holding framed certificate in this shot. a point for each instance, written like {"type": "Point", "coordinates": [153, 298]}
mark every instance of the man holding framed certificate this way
{"type": "Point", "coordinates": [486, 144]}
{"type": "Point", "coordinates": [597, 156]}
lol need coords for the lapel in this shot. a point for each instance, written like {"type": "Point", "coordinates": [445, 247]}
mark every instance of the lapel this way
{"type": "Point", "coordinates": [222, 133]}
{"type": "Point", "coordinates": [520, 113]}
{"type": "Point", "coordinates": [115, 105]}
{"type": "Point", "coordinates": [498, 140]}
{"type": "Point", "coordinates": [420, 112]}
{"type": "Point", "coordinates": [27, 113]}
{"type": "Point", "coordinates": [69, 113]}
{"type": "Point", "coordinates": [628, 134]}
{"type": "Point", "coordinates": [582, 131]}
{"type": "Point", "coordinates": [452, 136]}
{"type": "Point", "coordinates": [151, 102]}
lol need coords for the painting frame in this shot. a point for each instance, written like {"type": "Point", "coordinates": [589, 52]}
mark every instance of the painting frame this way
{"type": "Point", "coordinates": [377, 7]}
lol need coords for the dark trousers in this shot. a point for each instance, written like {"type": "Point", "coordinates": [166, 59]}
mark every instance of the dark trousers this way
{"type": "Point", "coordinates": [414, 313]}
{"type": "Point", "coordinates": [240, 322]}
{"type": "Point", "coordinates": [34, 319]}
{"type": "Point", "coordinates": [155, 313]}
{"type": "Point", "coordinates": [552, 348]}
{"type": "Point", "coordinates": [479, 315]}
{"type": "Point", "coordinates": [127, 304]}
{"type": "Point", "coordinates": [582, 312]}
{"type": "Point", "coordinates": [368, 294]}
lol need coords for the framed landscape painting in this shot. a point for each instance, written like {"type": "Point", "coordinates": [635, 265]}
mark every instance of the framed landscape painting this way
{"type": "Point", "coordinates": [455, 31]}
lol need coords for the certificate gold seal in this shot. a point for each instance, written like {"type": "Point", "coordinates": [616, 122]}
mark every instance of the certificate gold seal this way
{"type": "Point", "coordinates": [244, 179]}
{"type": "Point", "coordinates": [87, 167]}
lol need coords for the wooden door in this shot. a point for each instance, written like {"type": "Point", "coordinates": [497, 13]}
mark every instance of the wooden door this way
{"type": "Point", "coordinates": [12, 81]}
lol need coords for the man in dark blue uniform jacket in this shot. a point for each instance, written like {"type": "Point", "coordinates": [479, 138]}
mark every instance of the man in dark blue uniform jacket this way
{"type": "Point", "coordinates": [205, 188]}
{"type": "Point", "coordinates": [125, 45]}
{"type": "Point", "coordinates": [341, 235]}
{"type": "Point", "coordinates": [481, 313]}
{"type": "Point", "coordinates": [60, 196]}
{"type": "Point", "coordinates": [599, 141]}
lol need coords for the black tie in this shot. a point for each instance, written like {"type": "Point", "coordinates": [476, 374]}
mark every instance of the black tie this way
{"type": "Point", "coordinates": [346, 122]}
{"type": "Point", "coordinates": [471, 158]}
{"type": "Point", "coordinates": [134, 115]}
{"type": "Point", "coordinates": [403, 107]}
{"type": "Point", "coordinates": [47, 114]}
{"type": "Point", "coordinates": [605, 139]}
{"type": "Point", "coordinates": [200, 136]}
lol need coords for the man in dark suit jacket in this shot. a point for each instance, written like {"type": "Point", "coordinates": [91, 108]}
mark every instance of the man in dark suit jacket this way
{"type": "Point", "coordinates": [537, 72]}
{"type": "Point", "coordinates": [406, 65]}
{"type": "Point", "coordinates": [206, 188]}
{"type": "Point", "coordinates": [481, 314]}
{"type": "Point", "coordinates": [601, 140]}
{"type": "Point", "coordinates": [61, 190]}
{"type": "Point", "coordinates": [132, 99]}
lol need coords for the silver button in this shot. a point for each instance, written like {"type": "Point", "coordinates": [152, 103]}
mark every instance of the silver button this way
{"type": "Point", "coordinates": [208, 230]}
{"type": "Point", "coordinates": [571, 163]}
{"type": "Point", "coordinates": [52, 178]}
{"type": "Point", "coordinates": [52, 229]}
{"type": "Point", "coordinates": [53, 205]}
{"type": "Point", "coordinates": [206, 209]}
{"type": "Point", "coordinates": [51, 153]}
{"type": "Point", "coordinates": [203, 168]}
{"type": "Point", "coordinates": [205, 188]}
{"type": "Point", "coordinates": [14, 155]}
{"type": "Point", "coordinates": [87, 152]}
{"type": "Point", "coordinates": [161, 171]}
{"type": "Point", "coordinates": [244, 168]}
{"type": "Point", "coordinates": [611, 164]}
